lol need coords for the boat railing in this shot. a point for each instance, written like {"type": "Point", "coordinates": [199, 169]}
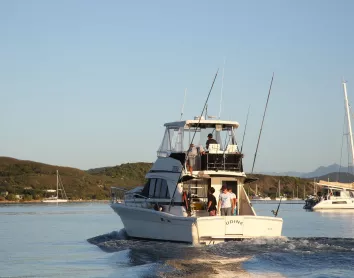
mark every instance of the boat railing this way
{"type": "Point", "coordinates": [218, 161]}
{"type": "Point", "coordinates": [120, 195]}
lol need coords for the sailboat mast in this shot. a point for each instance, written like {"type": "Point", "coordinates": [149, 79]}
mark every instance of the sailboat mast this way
{"type": "Point", "coordinates": [279, 187]}
{"type": "Point", "coordinates": [57, 186]}
{"type": "Point", "coordinates": [349, 121]}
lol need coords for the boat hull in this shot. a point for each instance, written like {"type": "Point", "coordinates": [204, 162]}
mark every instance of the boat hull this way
{"type": "Point", "coordinates": [151, 224]}
{"type": "Point", "coordinates": [55, 201]}
{"type": "Point", "coordinates": [334, 204]}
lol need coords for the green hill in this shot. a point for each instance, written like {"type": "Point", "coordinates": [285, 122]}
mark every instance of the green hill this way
{"type": "Point", "coordinates": [31, 179]}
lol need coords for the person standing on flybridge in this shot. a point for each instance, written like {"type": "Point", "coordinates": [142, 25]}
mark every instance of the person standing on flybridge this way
{"type": "Point", "coordinates": [225, 202]}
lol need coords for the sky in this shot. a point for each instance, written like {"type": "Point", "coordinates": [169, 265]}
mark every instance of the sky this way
{"type": "Point", "coordinates": [90, 84]}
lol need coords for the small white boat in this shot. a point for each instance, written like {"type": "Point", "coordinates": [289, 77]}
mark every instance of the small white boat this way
{"type": "Point", "coordinates": [172, 204]}
{"type": "Point", "coordinates": [56, 199]}
{"type": "Point", "coordinates": [280, 197]}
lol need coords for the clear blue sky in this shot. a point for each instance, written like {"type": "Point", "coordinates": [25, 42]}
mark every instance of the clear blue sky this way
{"type": "Point", "coordinates": [90, 83]}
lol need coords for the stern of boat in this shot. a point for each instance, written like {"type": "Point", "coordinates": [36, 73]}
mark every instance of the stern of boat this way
{"type": "Point", "coordinates": [215, 229]}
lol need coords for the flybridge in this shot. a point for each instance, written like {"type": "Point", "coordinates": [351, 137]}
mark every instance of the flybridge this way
{"type": "Point", "coordinates": [202, 123]}
{"type": "Point", "coordinates": [180, 134]}
{"type": "Point", "coordinates": [221, 154]}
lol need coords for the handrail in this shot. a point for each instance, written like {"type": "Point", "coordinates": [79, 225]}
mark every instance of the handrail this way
{"type": "Point", "coordinates": [137, 194]}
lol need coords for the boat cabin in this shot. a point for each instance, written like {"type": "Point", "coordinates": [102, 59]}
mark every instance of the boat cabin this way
{"type": "Point", "coordinates": [172, 182]}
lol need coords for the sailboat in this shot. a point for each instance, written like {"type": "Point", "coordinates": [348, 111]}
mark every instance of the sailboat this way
{"type": "Point", "coordinates": [56, 199]}
{"type": "Point", "coordinates": [257, 197]}
{"type": "Point", "coordinates": [283, 198]}
{"type": "Point", "coordinates": [297, 195]}
{"type": "Point", "coordinates": [336, 195]}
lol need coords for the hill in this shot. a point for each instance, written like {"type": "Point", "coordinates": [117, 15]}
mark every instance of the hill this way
{"type": "Point", "coordinates": [318, 173]}
{"type": "Point", "coordinates": [31, 178]}
{"type": "Point", "coordinates": [268, 186]}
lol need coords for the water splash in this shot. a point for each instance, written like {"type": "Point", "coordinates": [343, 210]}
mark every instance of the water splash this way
{"type": "Point", "coordinates": [260, 257]}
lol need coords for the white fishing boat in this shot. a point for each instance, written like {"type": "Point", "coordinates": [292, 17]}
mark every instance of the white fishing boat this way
{"type": "Point", "coordinates": [56, 199]}
{"type": "Point", "coordinates": [172, 204]}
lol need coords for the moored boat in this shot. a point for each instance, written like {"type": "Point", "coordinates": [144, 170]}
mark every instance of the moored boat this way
{"type": "Point", "coordinates": [57, 199]}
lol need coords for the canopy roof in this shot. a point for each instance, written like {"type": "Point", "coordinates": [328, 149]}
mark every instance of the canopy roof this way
{"type": "Point", "coordinates": [202, 123]}
{"type": "Point", "coordinates": [337, 185]}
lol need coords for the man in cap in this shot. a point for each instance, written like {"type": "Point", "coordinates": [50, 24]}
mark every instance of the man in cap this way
{"type": "Point", "coordinates": [210, 140]}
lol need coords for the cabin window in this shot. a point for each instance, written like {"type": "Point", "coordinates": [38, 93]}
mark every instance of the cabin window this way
{"type": "Point", "coordinates": [197, 187]}
{"type": "Point", "coordinates": [156, 188]}
{"type": "Point", "coordinates": [152, 188]}
{"type": "Point", "coordinates": [164, 190]}
{"type": "Point", "coordinates": [339, 202]}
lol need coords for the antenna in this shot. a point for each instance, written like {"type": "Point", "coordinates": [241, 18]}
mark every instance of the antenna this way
{"type": "Point", "coordinates": [222, 86]}
{"type": "Point", "coordinates": [244, 132]}
{"type": "Point", "coordinates": [260, 132]}
{"type": "Point", "coordinates": [184, 101]}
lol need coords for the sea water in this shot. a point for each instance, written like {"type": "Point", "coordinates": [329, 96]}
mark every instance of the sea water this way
{"type": "Point", "coordinates": [88, 240]}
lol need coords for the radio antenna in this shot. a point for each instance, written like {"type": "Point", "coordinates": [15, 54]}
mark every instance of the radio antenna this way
{"type": "Point", "coordinates": [184, 101]}
{"type": "Point", "coordinates": [222, 86]}
{"type": "Point", "coordinates": [244, 132]}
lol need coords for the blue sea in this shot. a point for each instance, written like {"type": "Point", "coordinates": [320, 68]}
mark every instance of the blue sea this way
{"type": "Point", "coordinates": [88, 240]}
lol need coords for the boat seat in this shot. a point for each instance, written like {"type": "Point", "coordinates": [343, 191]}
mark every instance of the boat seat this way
{"type": "Point", "coordinates": [214, 148]}
{"type": "Point", "coordinates": [231, 148]}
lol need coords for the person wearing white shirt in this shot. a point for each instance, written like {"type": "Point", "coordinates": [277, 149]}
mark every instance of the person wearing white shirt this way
{"type": "Point", "coordinates": [233, 201]}
{"type": "Point", "coordinates": [224, 204]}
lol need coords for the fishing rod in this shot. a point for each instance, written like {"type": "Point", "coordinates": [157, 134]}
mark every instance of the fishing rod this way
{"type": "Point", "coordinates": [276, 212]}
{"type": "Point", "coordinates": [260, 132]}
{"type": "Point", "coordinates": [205, 105]}
{"type": "Point", "coordinates": [244, 132]}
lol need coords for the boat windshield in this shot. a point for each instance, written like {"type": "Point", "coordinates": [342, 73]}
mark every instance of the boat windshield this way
{"type": "Point", "coordinates": [178, 139]}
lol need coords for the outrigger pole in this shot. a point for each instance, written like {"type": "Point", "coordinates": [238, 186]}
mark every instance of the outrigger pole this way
{"type": "Point", "coordinates": [260, 132]}
{"type": "Point", "coordinates": [205, 105]}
